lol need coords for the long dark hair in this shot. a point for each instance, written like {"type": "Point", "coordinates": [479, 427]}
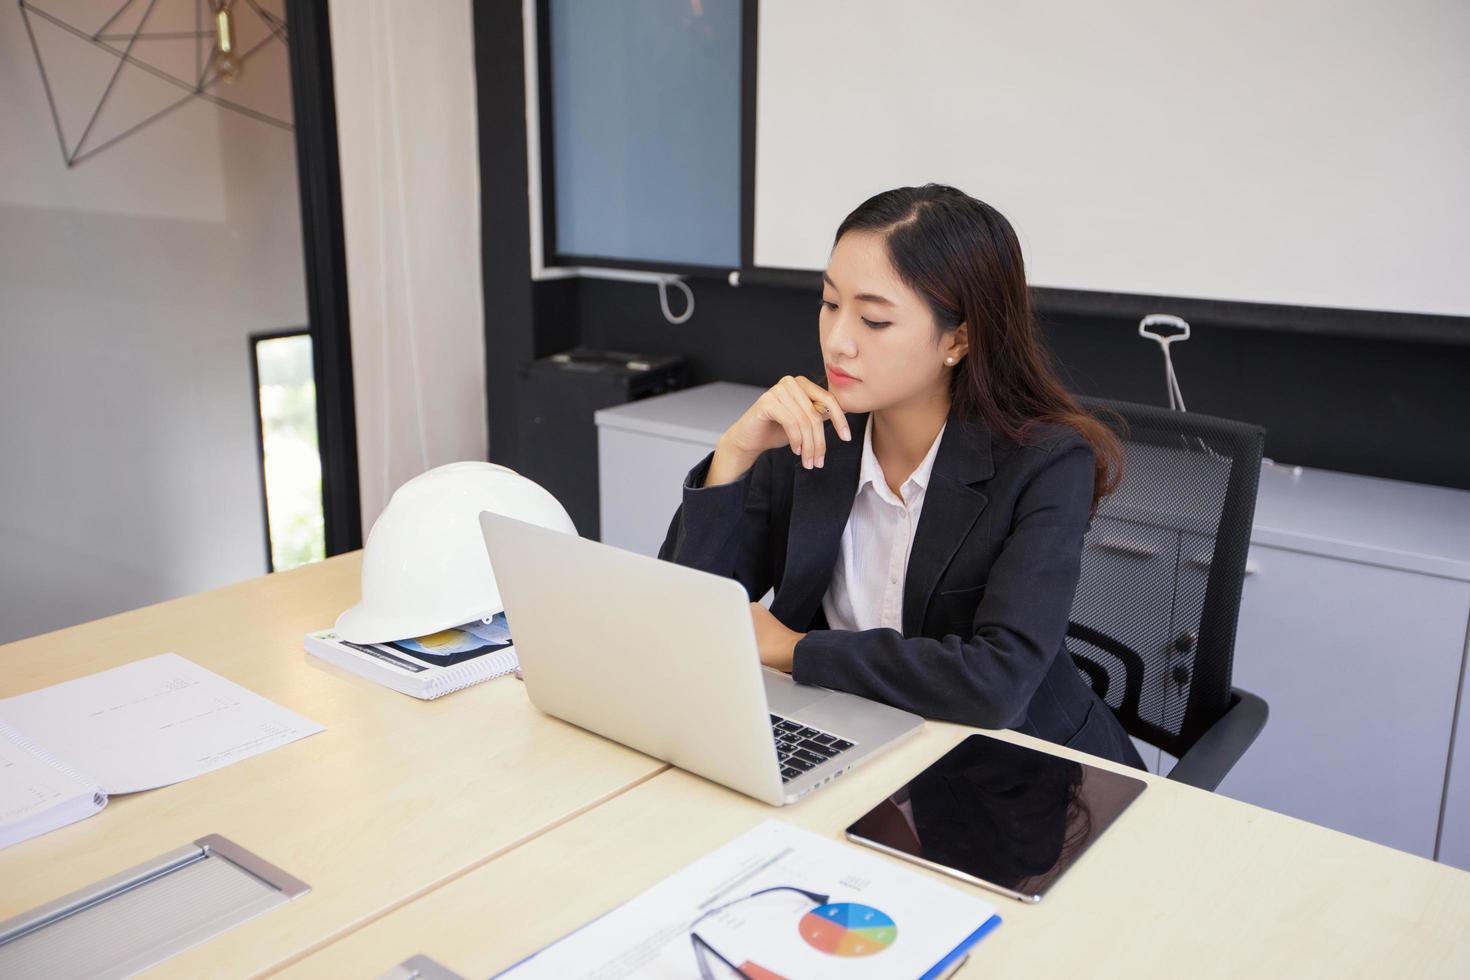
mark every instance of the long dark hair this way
{"type": "Point", "coordinates": [963, 257]}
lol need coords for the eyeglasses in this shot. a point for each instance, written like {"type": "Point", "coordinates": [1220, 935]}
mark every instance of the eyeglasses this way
{"type": "Point", "coordinates": [702, 948]}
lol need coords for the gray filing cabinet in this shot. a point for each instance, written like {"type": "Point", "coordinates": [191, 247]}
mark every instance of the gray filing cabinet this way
{"type": "Point", "coordinates": [644, 450]}
{"type": "Point", "coordinates": [1354, 625]}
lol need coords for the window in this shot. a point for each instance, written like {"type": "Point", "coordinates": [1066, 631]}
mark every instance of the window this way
{"type": "Point", "coordinates": [291, 464]}
{"type": "Point", "coordinates": [641, 122]}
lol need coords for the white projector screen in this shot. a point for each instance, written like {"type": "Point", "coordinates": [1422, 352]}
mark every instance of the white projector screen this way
{"type": "Point", "coordinates": [1306, 152]}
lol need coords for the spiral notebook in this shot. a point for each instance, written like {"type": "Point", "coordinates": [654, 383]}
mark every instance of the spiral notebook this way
{"type": "Point", "coordinates": [425, 667]}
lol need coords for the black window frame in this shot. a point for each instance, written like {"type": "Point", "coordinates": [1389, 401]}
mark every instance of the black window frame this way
{"type": "Point", "coordinates": [324, 249]}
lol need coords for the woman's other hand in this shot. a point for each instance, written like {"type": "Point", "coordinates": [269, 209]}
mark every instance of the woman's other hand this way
{"type": "Point", "coordinates": [776, 643]}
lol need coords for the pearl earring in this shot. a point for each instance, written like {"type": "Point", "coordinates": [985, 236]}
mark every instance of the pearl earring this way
{"type": "Point", "coordinates": [949, 360]}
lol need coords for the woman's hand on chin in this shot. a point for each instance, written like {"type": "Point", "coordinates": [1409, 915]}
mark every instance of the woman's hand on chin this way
{"type": "Point", "coordinates": [794, 412]}
{"type": "Point", "coordinates": [776, 643]}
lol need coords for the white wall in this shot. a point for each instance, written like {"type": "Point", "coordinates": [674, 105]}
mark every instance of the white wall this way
{"type": "Point", "coordinates": [128, 286]}
{"type": "Point", "coordinates": [406, 128]}
{"type": "Point", "coordinates": [1309, 152]}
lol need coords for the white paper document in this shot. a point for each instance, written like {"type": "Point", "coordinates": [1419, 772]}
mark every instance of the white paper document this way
{"type": "Point", "coordinates": [777, 902]}
{"type": "Point", "coordinates": [151, 723]}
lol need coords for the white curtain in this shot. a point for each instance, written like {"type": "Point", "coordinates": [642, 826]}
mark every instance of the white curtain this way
{"type": "Point", "coordinates": [406, 129]}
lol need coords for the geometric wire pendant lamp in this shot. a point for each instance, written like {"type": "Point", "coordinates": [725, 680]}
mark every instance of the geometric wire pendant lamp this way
{"type": "Point", "coordinates": [192, 49]}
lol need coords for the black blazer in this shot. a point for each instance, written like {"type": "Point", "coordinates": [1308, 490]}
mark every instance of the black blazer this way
{"type": "Point", "coordinates": [989, 586]}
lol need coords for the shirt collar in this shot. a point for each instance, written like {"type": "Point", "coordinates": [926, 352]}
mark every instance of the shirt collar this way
{"type": "Point", "coordinates": [872, 473]}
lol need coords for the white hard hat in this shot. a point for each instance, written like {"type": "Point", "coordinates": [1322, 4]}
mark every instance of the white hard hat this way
{"type": "Point", "coordinates": [424, 568]}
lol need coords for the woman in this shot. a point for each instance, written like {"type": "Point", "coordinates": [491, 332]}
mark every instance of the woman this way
{"type": "Point", "coordinates": [927, 555]}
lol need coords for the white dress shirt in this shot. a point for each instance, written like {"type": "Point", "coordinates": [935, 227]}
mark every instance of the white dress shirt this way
{"type": "Point", "coordinates": [873, 560]}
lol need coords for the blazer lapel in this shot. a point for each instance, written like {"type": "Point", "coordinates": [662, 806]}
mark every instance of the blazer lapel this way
{"type": "Point", "coordinates": [820, 504]}
{"type": "Point", "coordinates": [951, 506]}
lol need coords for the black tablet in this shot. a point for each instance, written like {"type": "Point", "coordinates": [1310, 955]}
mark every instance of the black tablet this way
{"type": "Point", "coordinates": [998, 815]}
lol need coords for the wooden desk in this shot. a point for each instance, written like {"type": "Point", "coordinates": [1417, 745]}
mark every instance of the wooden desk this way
{"type": "Point", "coordinates": [1185, 883]}
{"type": "Point", "coordinates": [395, 798]}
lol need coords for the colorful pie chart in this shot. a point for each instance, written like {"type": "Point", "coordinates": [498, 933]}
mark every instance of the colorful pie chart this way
{"type": "Point", "coordinates": [848, 929]}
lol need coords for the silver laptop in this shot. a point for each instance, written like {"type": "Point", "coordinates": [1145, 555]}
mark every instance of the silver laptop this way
{"type": "Point", "coordinates": [662, 658]}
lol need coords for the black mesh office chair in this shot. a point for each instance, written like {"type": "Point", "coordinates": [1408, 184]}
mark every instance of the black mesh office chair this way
{"type": "Point", "coordinates": [1153, 622]}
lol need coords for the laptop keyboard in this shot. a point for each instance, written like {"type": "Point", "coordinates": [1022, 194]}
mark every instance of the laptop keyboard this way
{"type": "Point", "coordinates": [801, 748]}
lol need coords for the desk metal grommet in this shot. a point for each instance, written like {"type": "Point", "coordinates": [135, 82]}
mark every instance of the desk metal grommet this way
{"type": "Point", "coordinates": [140, 917]}
{"type": "Point", "coordinates": [420, 967]}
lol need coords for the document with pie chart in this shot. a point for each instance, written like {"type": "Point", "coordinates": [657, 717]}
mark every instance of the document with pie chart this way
{"type": "Point", "coordinates": [777, 903]}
